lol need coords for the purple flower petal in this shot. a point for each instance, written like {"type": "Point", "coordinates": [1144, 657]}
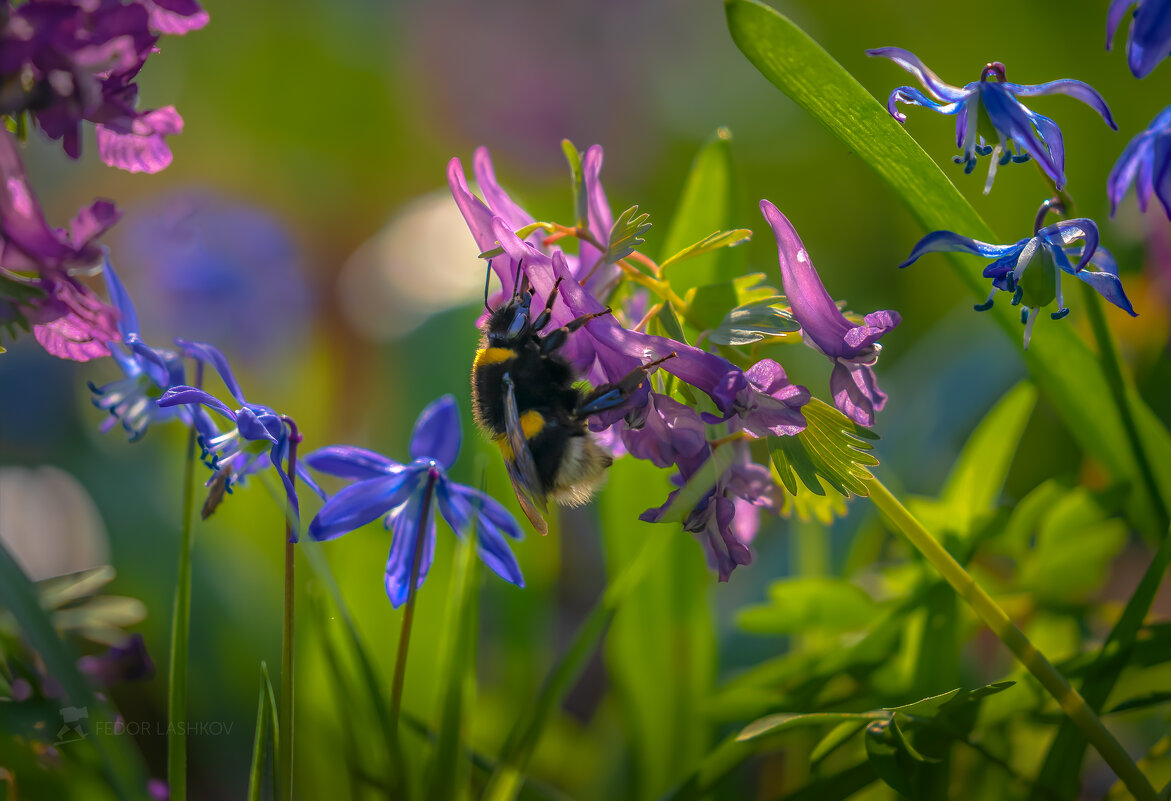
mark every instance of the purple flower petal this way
{"type": "Point", "coordinates": [211, 354]}
{"type": "Point", "coordinates": [176, 17]}
{"type": "Point", "coordinates": [948, 242]}
{"type": "Point", "coordinates": [910, 96]}
{"type": "Point", "coordinates": [670, 432]}
{"type": "Point", "coordinates": [460, 505]}
{"type": "Point", "coordinates": [128, 322]}
{"type": "Point", "coordinates": [941, 91]}
{"type": "Point", "coordinates": [437, 433]}
{"type": "Point", "coordinates": [183, 394]}
{"type": "Point", "coordinates": [1078, 90]}
{"type": "Point", "coordinates": [856, 392]}
{"type": "Point", "coordinates": [140, 145]}
{"type": "Point", "coordinates": [349, 461]}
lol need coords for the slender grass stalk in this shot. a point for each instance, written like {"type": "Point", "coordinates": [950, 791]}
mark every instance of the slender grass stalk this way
{"type": "Point", "coordinates": [404, 640]}
{"type": "Point", "coordinates": [181, 629]}
{"type": "Point", "coordinates": [286, 709]}
{"type": "Point", "coordinates": [994, 617]}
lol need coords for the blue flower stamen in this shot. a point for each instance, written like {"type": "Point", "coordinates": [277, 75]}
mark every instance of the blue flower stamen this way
{"type": "Point", "coordinates": [1060, 315]}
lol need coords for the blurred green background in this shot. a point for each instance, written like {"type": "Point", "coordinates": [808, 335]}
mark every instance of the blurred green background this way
{"type": "Point", "coordinates": [334, 122]}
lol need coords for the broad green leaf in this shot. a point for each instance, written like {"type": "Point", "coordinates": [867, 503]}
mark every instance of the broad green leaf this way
{"type": "Point", "coordinates": [817, 603]}
{"type": "Point", "coordinates": [977, 478]}
{"type": "Point", "coordinates": [661, 648]}
{"type": "Point", "coordinates": [1063, 367]}
{"type": "Point", "coordinates": [892, 764]}
{"type": "Point", "coordinates": [839, 735]}
{"type": "Point", "coordinates": [1075, 545]}
{"type": "Point", "coordinates": [926, 706]}
{"type": "Point", "coordinates": [116, 755]}
{"type": "Point", "coordinates": [577, 177]}
{"type": "Point", "coordinates": [745, 325]}
{"type": "Point", "coordinates": [626, 234]}
{"type": "Point", "coordinates": [710, 243]}
{"type": "Point", "coordinates": [708, 203]}
{"type": "Point", "coordinates": [832, 447]}
{"type": "Point", "coordinates": [773, 724]}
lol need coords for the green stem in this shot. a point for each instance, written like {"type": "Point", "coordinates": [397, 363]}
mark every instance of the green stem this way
{"type": "Point", "coordinates": [285, 719]}
{"type": "Point", "coordinates": [1026, 653]}
{"type": "Point", "coordinates": [180, 629]}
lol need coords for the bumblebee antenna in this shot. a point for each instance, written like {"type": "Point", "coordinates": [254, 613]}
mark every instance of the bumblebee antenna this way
{"type": "Point", "coordinates": [516, 279]}
{"type": "Point", "coordinates": [487, 280]}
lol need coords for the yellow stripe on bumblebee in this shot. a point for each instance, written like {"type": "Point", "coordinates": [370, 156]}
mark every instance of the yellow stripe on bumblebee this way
{"type": "Point", "coordinates": [531, 424]}
{"type": "Point", "coordinates": [494, 356]}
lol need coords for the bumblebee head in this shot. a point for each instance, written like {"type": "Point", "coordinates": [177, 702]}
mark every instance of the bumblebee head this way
{"type": "Point", "coordinates": [509, 322]}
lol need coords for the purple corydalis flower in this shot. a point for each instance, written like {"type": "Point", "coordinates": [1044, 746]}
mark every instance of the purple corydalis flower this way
{"type": "Point", "coordinates": [1150, 33]}
{"type": "Point", "coordinates": [126, 662]}
{"type": "Point", "coordinates": [988, 110]}
{"type": "Point", "coordinates": [407, 496]}
{"type": "Point", "coordinates": [1145, 163]}
{"type": "Point", "coordinates": [147, 373]}
{"type": "Point", "coordinates": [67, 318]}
{"type": "Point", "coordinates": [65, 63]}
{"type": "Point", "coordinates": [259, 438]}
{"type": "Point", "coordinates": [852, 347]}
{"type": "Point", "coordinates": [1040, 286]}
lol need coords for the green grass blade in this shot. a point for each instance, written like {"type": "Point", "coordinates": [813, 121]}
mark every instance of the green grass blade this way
{"type": "Point", "coordinates": [522, 740]}
{"type": "Point", "coordinates": [661, 648]}
{"type": "Point", "coordinates": [707, 204]}
{"type": "Point", "coordinates": [1064, 368]}
{"type": "Point", "coordinates": [450, 767]}
{"type": "Point", "coordinates": [120, 762]}
{"type": "Point", "coordinates": [264, 740]}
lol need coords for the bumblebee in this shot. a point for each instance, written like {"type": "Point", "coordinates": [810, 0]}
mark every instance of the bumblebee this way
{"type": "Point", "coordinates": [524, 398]}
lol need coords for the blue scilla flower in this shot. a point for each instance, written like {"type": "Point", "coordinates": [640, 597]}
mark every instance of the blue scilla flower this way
{"type": "Point", "coordinates": [990, 111]}
{"type": "Point", "coordinates": [1040, 286]}
{"type": "Point", "coordinates": [260, 437]}
{"type": "Point", "coordinates": [148, 373]}
{"type": "Point", "coordinates": [1145, 162]}
{"type": "Point", "coordinates": [406, 494]}
{"type": "Point", "coordinates": [1150, 33]}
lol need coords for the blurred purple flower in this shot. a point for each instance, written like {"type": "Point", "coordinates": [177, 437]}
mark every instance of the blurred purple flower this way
{"type": "Point", "coordinates": [68, 62]}
{"type": "Point", "coordinates": [407, 496]}
{"type": "Point", "coordinates": [1040, 286]}
{"type": "Point", "coordinates": [853, 348]}
{"type": "Point", "coordinates": [259, 438]}
{"type": "Point", "coordinates": [126, 662]}
{"type": "Point", "coordinates": [987, 110]}
{"type": "Point", "coordinates": [38, 265]}
{"type": "Point", "coordinates": [147, 373]}
{"type": "Point", "coordinates": [217, 270]}
{"type": "Point", "coordinates": [1150, 33]}
{"type": "Point", "coordinates": [1147, 159]}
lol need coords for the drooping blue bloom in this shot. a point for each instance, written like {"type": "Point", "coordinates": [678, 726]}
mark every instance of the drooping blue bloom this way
{"type": "Point", "coordinates": [1145, 163]}
{"type": "Point", "coordinates": [990, 111]}
{"type": "Point", "coordinates": [1033, 289]}
{"type": "Point", "coordinates": [148, 373]}
{"type": "Point", "coordinates": [852, 347]}
{"type": "Point", "coordinates": [259, 438]}
{"type": "Point", "coordinates": [1150, 33]}
{"type": "Point", "coordinates": [407, 494]}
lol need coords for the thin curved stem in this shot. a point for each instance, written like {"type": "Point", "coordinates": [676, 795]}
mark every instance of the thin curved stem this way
{"type": "Point", "coordinates": [181, 628]}
{"type": "Point", "coordinates": [286, 710]}
{"type": "Point", "coordinates": [400, 662]}
{"type": "Point", "coordinates": [1071, 702]}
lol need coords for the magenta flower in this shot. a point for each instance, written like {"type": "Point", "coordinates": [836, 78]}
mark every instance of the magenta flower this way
{"type": "Point", "coordinates": [39, 265]}
{"type": "Point", "coordinates": [852, 347]}
{"type": "Point", "coordinates": [76, 62]}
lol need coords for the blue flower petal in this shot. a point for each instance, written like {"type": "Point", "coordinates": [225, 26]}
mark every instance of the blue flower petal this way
{"type": "Point", "coordinates": [405, 524]}
{"type": "Point", "coordinates": [304, 475]}
{"type": "Point", "coordinates": [1067, 86]}
{"type": "Point", "coordinates": [910, 96]}
{"type": "Point", "coordinates": [460, 505]}
{"type": "Point", "coordinates": [365, 501]}
{"type": "Point", "coordinates": [252, 426]}
{"type": "Point", "coordinates": [209, 353]}
{"type": "Point", "coordinates": [437, 433]}
{"type": "Point", "coordinates": [1109, 287]}
{"type": "Point", "coordinates": [1118, 9]}
{"type": "Point", "coordinates": [945, 92]}
{"type": "Point", "coordinates": [128, 318]}
{"type": "Point", "coordinates": [1013, 121]}
{"type": "Point", "coordinates": [184, 394]}
{"type": "Point", "coordinates": [1138, 154]}
{"type": "Point", "coordinates": [1065, 233]}
{"type": "Point", "coordinates": [951, 242]}
{"type": "Point", "coordinates": [349, 461]}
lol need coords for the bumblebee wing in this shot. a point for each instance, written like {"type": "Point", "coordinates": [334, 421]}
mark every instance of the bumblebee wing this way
{"type": "Point", "coordinates": [521, 467]}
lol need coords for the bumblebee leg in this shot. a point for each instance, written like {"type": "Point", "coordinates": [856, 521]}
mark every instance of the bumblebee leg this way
{"type": "Point", "coordinates": [610, 396]}
{"type": "Point", "coordinates": [555, 339]}
{"type": "Point", "coordinates": [543, 319]}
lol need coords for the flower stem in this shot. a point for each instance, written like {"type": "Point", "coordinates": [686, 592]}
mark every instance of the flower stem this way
{"type": "Point", "coordinates": [180, 629]}
{"type": "Point", "coordinates": [1026, 653]}
{"type": "Point", "coordinates": [404, 640]}
{"type": "Point", "coordinates": [286, 710]}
